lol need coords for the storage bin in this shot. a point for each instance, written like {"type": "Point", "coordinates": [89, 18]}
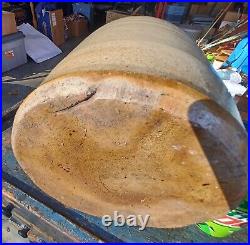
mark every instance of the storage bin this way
{"type": "Point", "coordinates": [85, 9]}
{"type": "Point", "coordinates": [13, 51]}
{"type": "Point", "coordinates": [175, 13]}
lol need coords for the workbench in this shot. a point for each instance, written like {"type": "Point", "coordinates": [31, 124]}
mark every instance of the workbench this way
{"type": "Point", "coordinates": [39, 217]}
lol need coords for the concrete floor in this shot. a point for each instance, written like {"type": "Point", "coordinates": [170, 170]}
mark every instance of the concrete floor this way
{"type": "Point", "coordinates": [10, 233]}
{"type": "Point", "coordinates": [32, 74]}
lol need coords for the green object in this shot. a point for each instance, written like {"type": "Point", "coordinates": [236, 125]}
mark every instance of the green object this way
{"type": "Point", "coordinates": [225, 226]}
{"type": "Point", "coordinates": [217, 230]}
{"type": "Point", "coordinates": [210, 57]}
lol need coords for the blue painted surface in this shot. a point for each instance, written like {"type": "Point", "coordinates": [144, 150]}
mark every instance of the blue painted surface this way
{"type": "Point", "coordinates": [239, 57]}
{"type": "Point", "coordinates": [40, 210]}
{"type": "Point", "coordinates": [175, 13]}
{"type": "Point", "coordinates": [84, 9]}
{"type": "Point", "coordinates": [43, 18]}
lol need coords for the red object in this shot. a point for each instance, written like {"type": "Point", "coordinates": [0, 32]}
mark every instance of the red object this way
{"type": "Point", "coordinates": [160, 10]}
{"type": "Point", "coordinates": [231, 221]}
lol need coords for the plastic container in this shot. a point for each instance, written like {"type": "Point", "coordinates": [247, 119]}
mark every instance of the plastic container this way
{"type": "Point", "coordinates": [84, 9]}
{"type": "Point", "coordinates": [175, 13]}
{"type": "Point", "coordinates": [13, 51]}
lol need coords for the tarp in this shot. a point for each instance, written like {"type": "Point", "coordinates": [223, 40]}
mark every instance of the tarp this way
{"type": "Point", "coordinates": [239, 57]}
{"type": "Point", "coordinates": [38, 46]}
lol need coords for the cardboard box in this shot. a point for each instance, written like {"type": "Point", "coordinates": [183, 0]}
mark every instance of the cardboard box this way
{"type": "Point", "coordinates": [8, 23]}
{"type": "Point", "coordinates": [57, 26]}
{"type": "Point", "coordinates": [112, 15]}
{"type": "Point", "coordinates": [220, 6]}
{"type": "Point", "coordinates": [193, 10]}
{"type": "Point", "coordinates": [231, 16]}
{"type": "Point", "coordinates": [198, 9]}
{"type": "Point", "coordinates": [77, 27]}
{"type": "Point", "coordinates": [203, 10]}
{"type": "Point", "coordinates": [51, 24]}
